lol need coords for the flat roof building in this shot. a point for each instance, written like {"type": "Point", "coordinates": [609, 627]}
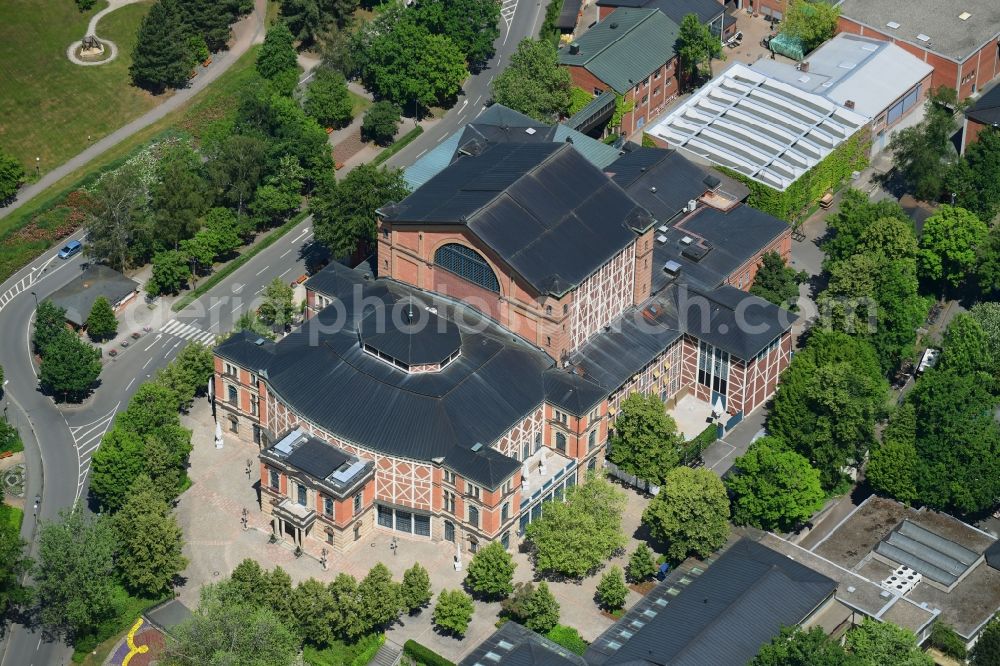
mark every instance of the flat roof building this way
{"type": "Point", "coordinates": [762, 127]}
{"type": "Point", "coordinates": [961, 40]}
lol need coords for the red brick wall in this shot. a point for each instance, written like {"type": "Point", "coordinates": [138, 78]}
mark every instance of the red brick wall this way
{"type": "Point", "coordinates": [744, 276]}
{"type": "Point", "coordinates": [772, 5]}
{"type": "Point", "coordinates": [972, 130]}
{"type": "Point", "coordinates": [658, 92]}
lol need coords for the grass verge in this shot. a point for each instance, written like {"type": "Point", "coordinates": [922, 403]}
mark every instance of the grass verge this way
{"type": "Point", "coordinates": [227, 270]}
{"type": "Point", "coordinates": [129, 609]}
{"type": "Point", "coordinates": [49, 106]}
{"type": "Point", "coordinates": [11, 516]}
{"type": "Point", "coordinates": [403, 142]}
{"type": "Point", "coordinates": [37, 225]}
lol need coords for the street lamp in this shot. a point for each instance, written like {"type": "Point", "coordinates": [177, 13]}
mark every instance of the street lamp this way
{"type": "Point", "coordinates": [37, 166]}
{"type": "Point", "coordinates": [5, 398]}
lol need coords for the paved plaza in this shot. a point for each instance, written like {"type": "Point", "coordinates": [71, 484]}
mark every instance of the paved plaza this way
{"type": "Point", "coordinates": [210, 515]}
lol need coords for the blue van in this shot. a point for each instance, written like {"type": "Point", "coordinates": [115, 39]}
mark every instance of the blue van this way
{"type": "Point", "coordinates": [71, 248]}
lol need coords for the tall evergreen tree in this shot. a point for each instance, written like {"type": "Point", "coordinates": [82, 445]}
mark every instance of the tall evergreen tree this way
{"type": "Point", "coordinates": [70, 367]}
{"type": "Point", "coordinates": [162, 58]}
{"type": "Point", "coordinates": [149, 541]}
{"type": "Point", "coordinates": [180, 196]}
{"type": "Point", "coordinates": [101, 322]}
{"type": "Point", "coordinates": [277, 56]}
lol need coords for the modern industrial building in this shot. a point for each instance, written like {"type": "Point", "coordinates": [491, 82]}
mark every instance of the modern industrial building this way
{"type": "Point", "coordinates": [517, 297]}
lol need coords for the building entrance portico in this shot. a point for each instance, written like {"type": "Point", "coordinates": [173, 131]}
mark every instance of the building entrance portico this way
{"type": "Point", "coordinates": [292, 521]}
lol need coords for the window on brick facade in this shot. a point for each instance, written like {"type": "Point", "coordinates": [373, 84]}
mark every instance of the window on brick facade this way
{"type": "Point", "coordinates": [473, 545]}
{"type": "Point", "coordinates": [357, 531]}
{"type": "Point", "coordinates": [561, 442]}
{"type": "Point", "coordinates": [505, 512]}
{"type": "Point", "coordinates": [472, 490]}
{"type": "Point", "coordinates": [254, 405]}
{"type": "Point", "coordinates": [645, 98]}
{"type": "Point", "coordinates": [656, 91]}
{"type": "Point", "coordinates": [467, 264]}
{"type": "Point", "coordinates": [328, 506]}
{"type": "Point", "coordinates": [258, 437]}
{"type": "Point", "coordinates": [230, 369]}
{"type": "Point", "coordinates": [301, 495]}
{"type": "Point", "coordinates": [525, 451]}
{"type": "Point", "coordinates": [449, 476]}
{"type": "Point", "coordinates": [329, 537]}
{"type": "Point", "coordinates": [358, 499]}
{"type": "Point", "coordinates": [274, 479]}
{"type": "Point", "coordinates": [548, 340]}
{"type": "Point", "coordinates": [505, 540]}
{"type": "Point", "coordinates": [449, 501]}
{"type": "Point", "coordinates": [233, 395]}
{"type": "Point", "coordinates": [234, 424]}
{"type": "Point", "coordinates": [592, 440]}
{"type": "Point", "coordinates": [474, 516]}
{"type": "Point", "coordinates": [548, 309]}
{"type": "Point", "coordinates": [656, 74]}
{"type": "Point", "coordinates": [538, 441]}
{"type": "Point", "coordinates": [449, 531]}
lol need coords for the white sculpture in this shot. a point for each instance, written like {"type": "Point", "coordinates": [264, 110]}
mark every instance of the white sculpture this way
{"type": "Point", "coordinates": [524, 475]}
{"type": "Point", "coordinates": [541, 462]}
{"type": "Point", "coordinates": [458, 556]}
{"type": "Point", "coordinates": [218, 435]}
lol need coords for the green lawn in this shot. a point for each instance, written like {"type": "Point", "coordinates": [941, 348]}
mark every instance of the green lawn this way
{"type": "Point", "coordinates": [359, 104]}
{"type": "Point", "coordinates": [11, 515]}
{"type": "Point", "coordinates": [48, 105]}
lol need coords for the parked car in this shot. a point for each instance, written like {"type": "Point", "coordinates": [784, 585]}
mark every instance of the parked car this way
{"type": "Point", "coordinates": [71, 248]}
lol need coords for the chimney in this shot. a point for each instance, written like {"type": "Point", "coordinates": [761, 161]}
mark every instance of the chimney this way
{"type": "Point", "coordinates": [574, 48]}
{"type": "Point", "coordinates": [613, 25]}
{"type": "Point", "coordinates": [849, 104]}
{"type": "Point", "coordinates": [804, 67]}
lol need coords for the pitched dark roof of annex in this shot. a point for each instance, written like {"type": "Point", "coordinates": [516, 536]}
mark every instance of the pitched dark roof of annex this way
{"type": "Point", "coordinates": [317, 458]}
{"type": "Point", "coordinates": [542, 207]}
{"type": "Point", "coordinates": [515, 645]}
{"type": "Point", "coordinates": [77, 297]}
{"type": "Point", "coordinates": [723, 616]}
{"type": "Point", "coordinates": [986, 110]}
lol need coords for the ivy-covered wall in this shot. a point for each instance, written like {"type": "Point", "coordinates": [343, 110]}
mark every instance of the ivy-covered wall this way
{"type": "Point", "coordinates": [800, 196]}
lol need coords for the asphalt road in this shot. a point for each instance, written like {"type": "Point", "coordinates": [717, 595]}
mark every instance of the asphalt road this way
{"type": "Point", "coordinates": [64, 437]}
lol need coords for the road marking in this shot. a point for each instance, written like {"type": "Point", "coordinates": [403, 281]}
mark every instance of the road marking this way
{"type": "Point", "coordinates": [478, 98]}
{"type": "Point", "coordinates": [442, 138]}
{"type": "Point", "coordinates": [237, 309]}
{"type": "Point", "coordinates": [284, 254]}
{"type": "Point", "coordinates": [148, 361]}
{"type": "Point", "coordinates": [216, 305]}
{"type": "Point", "coordinates": [263, 269]}
{"type": "Point", "coordinates": [285, 273]}
{"type": "Point", "coordinates": [189, 332]}
{"type": "Point", "coordinates": [421, 153]}
{"type": "Point", "coordinates": [86, 440]}
{"type": "Point", "coordinates": [129, 385]}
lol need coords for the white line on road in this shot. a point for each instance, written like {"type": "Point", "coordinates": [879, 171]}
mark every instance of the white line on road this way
{"type": "Point", "coordinates": [284, 254]}
{"type": "Point", "coordinates": [421, 153]}
{"type": "Point", "coordinates": [153, 343]}
{"type": "Point", "coordinates": [263, 269]}
{"type": "Point", "coordinates": [285, 273]}
{"type": "Point", "coordinates": [237, 309]}
{"type": "Point", "coordinates": [129, 385]}
{"type": "Point", "coordinates": [478, 98]}
{"type": "Point", "coordinates": [148, 361]}
{"type": "Point", "coordinates": [442, 138]}
{"type": "Point", "coordinates": [216, 305]}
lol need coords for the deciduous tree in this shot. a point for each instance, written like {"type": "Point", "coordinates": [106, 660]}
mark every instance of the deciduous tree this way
{"type": "Point", "coordinates": [278, 307]}
{"type": "Point", "coordinates": [473, 25]}
{"type": "Point", "coordinates": [641, 566]}
{"type": "Point", "coordinates": [975, 178]}
{"type": "Point", "coordinates": [180, 195]}
{"type": "Point", "coordinates": [381, 122]}
{"type": "Point", "coordinates": [611, 591]}
{"type": "Point", "coordinates": [149, 541]}
{"type": "Point", "coordinates": [986, 651]}
{"type": "Point", "coordinates": [13, 560]}
{"type": "Point", "coordinates": [277, 56]}
{"type": "Point", "coordinates": [313, 606]}
{"type": "Point", "coordinates": [534, 83]}
{"type": "Point", "coordinates": [892, 463]}
{"type": "Point", "coordinates": [695, 45]}
{"type": "Point", "coordinates": [949, 244]}
{"type": "Point", "coordinates": [50, 322]}
{"type": "Point", "coordinates": [453, 612]}
{"type": "Point", "coordinates": [773, 488]}
{"type": "Point", "coordinates": [690, 514]}
{"type": "Point", "coordinates": [344, 212]}
{"type": "Point", "coordinates": [856, 214]}
{"type": "Point", "coordinates": [348, 622]}
{"type": "Point", "coordinates": [541, 610]}
{"type": "Point", "coordinates": [380, 597]}
{"type": "Point", "coordinates": [416, 589]}
{"type": "Point", "coordinates": [74, 579]}
{"type": "Point", "coordinates": [70, 367]}
{"type": "Point", "coordinates": [812, 22]}
{"type": "Point", "coordinates": [237, 168]}
{"type": "Point", "coordinates": [101, 322]}
{"type": "Point", "coordinates": [646, 442]}
{"type": "Point", "coordinates": [327, 99]}
{"type": "Point", "coordinates": [491, 572]}
{"type": "Point", "coordinates": [228, 632]}
{"type": "Point", "coordinates": [875, 643]}
{"type": "Point", "coordinates": [924, 152]}
{"type": "Point", "coordinates": [171, 272]}
{"type": "Point", "coordinates": [776, 282]}
{"type": "Point", "coordinates": [117, 213]}
{"type": "Point", "coordinates": [795, 647]}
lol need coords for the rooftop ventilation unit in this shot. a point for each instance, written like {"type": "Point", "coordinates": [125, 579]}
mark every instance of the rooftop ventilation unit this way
{"type": "Point", "coordinates": [892, 24]}
{"type": "Point", "coordinates": [902, 580]}
{"type": "Point", "coordinates": [653, 189]}
{"type": "Point", "coordinates": [696, 252]}
{"type": "Point", "coordinates": [529, 130]}
{"type": "Point", "coordinates": [687, 240]}
{"type": "Point", "coordinates": [871, 48]}
{"type": "Point", "coordinates": [964, 16]}
{"type": "Point", "coordinates": [924, 38]}
{"type": "Point", "coordinates": [662, 228]}
{"type": "Point", "coordinates": [672, 268]}
{"type": "Point", "coordinates": [661, 239]}
{"type": "Point", "coordinates": [477, 446]}
{"type": "Point", "coordinates": [692, 204]}
{"type": "Point", "coordinates": [574, 48]}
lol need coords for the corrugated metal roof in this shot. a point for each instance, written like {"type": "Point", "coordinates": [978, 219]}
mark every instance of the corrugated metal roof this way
{"type": "Point", "coordinates": [545, 210]}
{"type": "Point", "coordinates": [625, 48]}
{"type": "Point", "coordinates": [722, 616]}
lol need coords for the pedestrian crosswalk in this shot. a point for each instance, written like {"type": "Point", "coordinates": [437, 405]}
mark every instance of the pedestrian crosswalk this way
{"type": "Point", "coordinates": [188, 332]}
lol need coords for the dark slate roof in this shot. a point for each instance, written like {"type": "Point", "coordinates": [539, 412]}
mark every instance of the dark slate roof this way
{"type": "Point", "coordinates": [662, 181]}
{"type": "Point", "coordinates": [168, 615]}
{"type": "Point", "coordinates": [722, 616]}
{"type": "Point", "coordinates": [78, 296]}
{"type": "Point", "coordinates": [515, 645]}
{"type": "Point", "coordinates": [418, 337]}
{"type": "Point", "coordinates": [336, 278]}
{"type": "Point", "coordinates": [735, 236]}
{"type": "Point", "coordinates": [625, 47]}
{"type": "Point", "coordinates": [631, 343]}
{"type": "Point", "coordinates": [317, 458]}
{"type": "Point", "coordinates": [568, 14]}
{"type": "Point", "coordinates": [986, 110]}
{"type": "Point", "coordinates": [322, 371]}
{"type": "Point", "coordinates": [572, 392]}
{"type": "Point", "coordinates": [676, 10]}
{"type": "Point", "coordinates": [731, 319]}
{"type": "Point", "coordinates": [993, 555]}
{"type": "Point", "coordinates": [543, 208]}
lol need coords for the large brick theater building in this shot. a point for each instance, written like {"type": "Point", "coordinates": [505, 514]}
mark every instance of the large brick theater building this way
{"type": "Point", "coordinates": [517, 297]}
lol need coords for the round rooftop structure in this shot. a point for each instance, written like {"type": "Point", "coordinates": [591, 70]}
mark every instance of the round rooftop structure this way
{"type": "Point", "coordinates": [410, 336]}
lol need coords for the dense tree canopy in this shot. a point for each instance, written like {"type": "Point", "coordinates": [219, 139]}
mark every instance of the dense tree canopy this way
{"type": "Point", "coordinates": [309, 20]}
{"type": "Point", "coordinates": [812, 22]}
{"type": "Point", "coordinates": [949, 244]}
{"type": "Point", "coordinates": [50, 322]}
{"type": "Point", "coordinates": [923, 153]}
{"type": "Point", "coordinates": [828, 401]}
{"type": "Point", "coordinates": [416, 588]}
{"type": "Point", "coordinates": [327, 99]}
{"type": "Point", "coordinates": [101, 322]}
{"type": "Point", "coordinates": [116, 220]}
{"type": "Point", "coordinates": [646, 442]}
{"type": "Point", "coordinates": [611, 590]}
{"type": "Point", "coordinates": [162, 57]}
{"type": "Point", "coordinates": [453, 612]}
{"type": "Point", "coordinates": [473, 25]}
{"type": "Point", "coordinates": [641, 565]}
{"type": "Point", "coordinates": [534, 83]}
{"type": "Point", "coordinates": [149, 541]}
{"type": "Point", "coordinates": [180, 196]}
{"type": "Point", "coordinates": [70, 367]}
{"type": "Point", "coordinates": [11, 175]}
{"type": "Point", "coordinates": [572, 538]}
{"type": "Point", "coordinates": [875, 643]}
{"type": "Point", "coordinates": [381, 122]}
{"type": "Point", "coordinates": [892, 463]}
{"type": "Point", "coordinates": [795, 647]}
{"type": "Point", "coordinates": [13, 560]}
{"type": "Point", "coordinates": [690, 514]}
{"type": "Point", "coordinates": [776, 282]}
{"type": "Point", "coordinates": [986, 651]}
{"type": "Point", "coordinates": [856, 214]}
{"type": "Point", "coordinates": [491, 572]}
{"type": "Point", "coordinates": [344, 212]}
{"type": "Point", "coordinates": [975, 178]}
{"type": "Point", "coordinates": [773, 488]}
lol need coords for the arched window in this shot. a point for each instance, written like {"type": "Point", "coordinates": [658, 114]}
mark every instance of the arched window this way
{"type": "Point", "coordinates": [467, 264]}
{"type": "Point", "coordinates": [561, 442]}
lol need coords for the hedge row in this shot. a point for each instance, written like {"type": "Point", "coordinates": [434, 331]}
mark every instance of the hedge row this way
{"type": "Point", "coordinates": [798, 198]}
{"type": "Point", "coordinates": [424, 655]}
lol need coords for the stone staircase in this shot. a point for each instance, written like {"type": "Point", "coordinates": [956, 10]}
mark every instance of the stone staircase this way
{"type": "Point", "coordinates": [388, 655]}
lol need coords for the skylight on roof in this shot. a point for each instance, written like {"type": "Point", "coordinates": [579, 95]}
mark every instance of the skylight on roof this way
{"type": "Point", "coordinates": [869, 47]}
{"type": "Point", "coordinates": [924, 38]}
{"type": "Point", "coordinates": [847, 65]}
{"type": "Point", "coordinates": [892, 24]}
{"type": "Point", "coordinates": [964, 16]}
